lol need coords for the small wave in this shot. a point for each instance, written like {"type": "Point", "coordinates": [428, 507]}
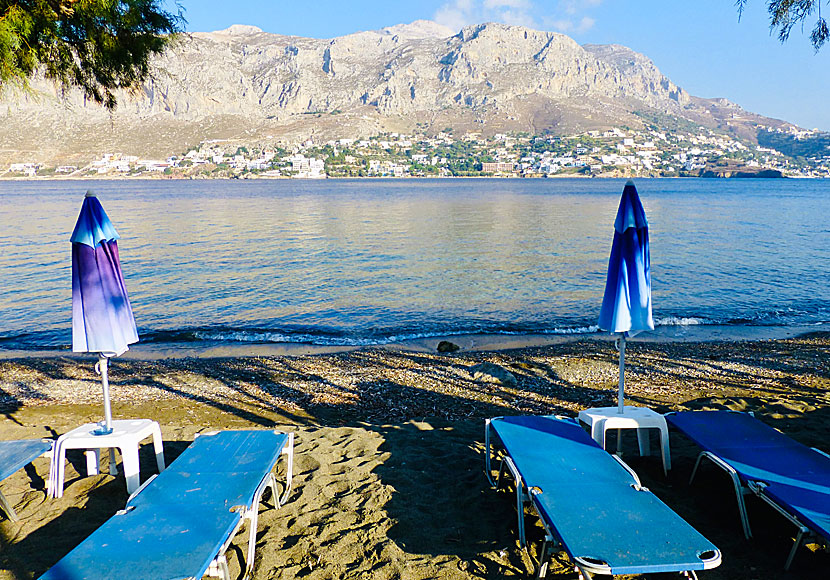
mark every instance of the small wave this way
{"type": "Point", "coordinates": [260, 336]}
{"type": "Point", "coordinates": [373, 336]}
{"type": "Point", "coordinates": [503, 332]}
{"type": "Point", "coordinates": [273, 336]}
{"type": "Point", "coordinates": [578, 330]}
{"type": "Point", "coordinates": [682, 321]}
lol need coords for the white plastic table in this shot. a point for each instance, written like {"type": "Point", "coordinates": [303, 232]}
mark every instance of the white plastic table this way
{"type": "Point", "coordinates": [601, 419]}
{"type": "Point", "coordinates": [126, 435]}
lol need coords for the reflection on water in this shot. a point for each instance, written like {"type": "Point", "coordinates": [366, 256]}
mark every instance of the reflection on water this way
{"type": "Point", "coordinates": [363, 260]}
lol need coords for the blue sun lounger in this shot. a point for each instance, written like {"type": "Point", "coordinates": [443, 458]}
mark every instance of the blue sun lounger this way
{"type": "Point", "coordinates": [15, 455]}
{"type": "Point", "coordinates": [590, 503]}
{"type": "Point", "coordinates": [180, 523]}
{"type": "Point", "coordinates": [792, 478]}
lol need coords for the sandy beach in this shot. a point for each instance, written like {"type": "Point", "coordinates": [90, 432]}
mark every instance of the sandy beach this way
{"type": "Point", "coordinates": [389, 478]}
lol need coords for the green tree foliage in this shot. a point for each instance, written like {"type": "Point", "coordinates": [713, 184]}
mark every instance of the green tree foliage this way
{"type": "Point", "coordinates": [786, 14]}
{"type": "Point", "coordinates": [97, 45]}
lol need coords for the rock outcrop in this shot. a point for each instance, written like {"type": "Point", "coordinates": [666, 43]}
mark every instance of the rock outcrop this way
{"type": "Point", "coordinates": [488, 372]}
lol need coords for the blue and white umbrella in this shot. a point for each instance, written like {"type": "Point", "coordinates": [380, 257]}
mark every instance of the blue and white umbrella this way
{"type": "Point", "coordinates": [626, 305]}
{"type": "Point", "coordinates": [102, 318]}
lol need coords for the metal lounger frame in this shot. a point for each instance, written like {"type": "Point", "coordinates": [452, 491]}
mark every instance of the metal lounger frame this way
{"type": "Point", "coordinates": [757, 488]}
{"type": "Point", "coordinates": [219, 567]}
{"type": "Point", "coordinates": [552, 542]}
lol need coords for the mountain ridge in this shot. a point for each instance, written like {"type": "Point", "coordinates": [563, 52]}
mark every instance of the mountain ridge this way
{"type": "Point", "coordinates": [242, 84]}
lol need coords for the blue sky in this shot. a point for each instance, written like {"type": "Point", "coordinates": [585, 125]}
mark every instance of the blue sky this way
{"type": "Point", "coordinates": [700, 45]}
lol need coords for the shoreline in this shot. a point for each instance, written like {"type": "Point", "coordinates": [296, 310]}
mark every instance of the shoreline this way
{"type": "Point", "coordinates": [560, 377]}
{"type": "Point", "coordinates": [473, 342]}
{"type": "Point", "coordinates": [255, 177]}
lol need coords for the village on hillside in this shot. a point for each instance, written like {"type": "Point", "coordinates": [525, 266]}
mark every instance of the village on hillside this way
{"type": "Point", "coordinates": [618, 152]}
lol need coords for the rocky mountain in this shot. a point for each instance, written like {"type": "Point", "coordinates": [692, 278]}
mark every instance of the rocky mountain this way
{"type": "Point", "coordinates": [243, 84]}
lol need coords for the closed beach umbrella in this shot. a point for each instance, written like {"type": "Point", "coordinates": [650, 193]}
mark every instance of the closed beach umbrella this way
{"type": "Point", "coordinates": [102, 318]}
{"type": "Point", "coordinates": [626, 305]}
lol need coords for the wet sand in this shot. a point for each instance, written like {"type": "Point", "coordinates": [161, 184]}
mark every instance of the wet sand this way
{"type": "Point", "coordinates": [389, 476]}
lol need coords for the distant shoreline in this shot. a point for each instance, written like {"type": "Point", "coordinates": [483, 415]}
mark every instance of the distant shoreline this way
{"type": "Point", "coordinates": [386, 178]}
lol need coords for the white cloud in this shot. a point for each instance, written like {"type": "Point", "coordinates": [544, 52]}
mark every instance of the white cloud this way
{"type": "Point", "coordinates": [569, 26]}
{"type": "Point", "coordinates": [518, 18]}
{"type": "Point", "coordinates": [573, 7]}
{"type": "Point", "coordinates": [496, 4]}
{"type": "Point", "coordinates": [459, 13]}
{"type": "Point", "coordinates": [585, 24]}
{"type": "Point", "coordinates": [568, 16]}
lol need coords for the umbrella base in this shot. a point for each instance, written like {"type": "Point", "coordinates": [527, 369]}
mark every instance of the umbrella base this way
{"type": "Point", "coordinates": [101, 430]}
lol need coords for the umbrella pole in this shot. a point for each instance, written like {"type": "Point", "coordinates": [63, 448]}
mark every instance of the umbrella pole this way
{"type": "Point", "coordinates": [620, 406]}
{"type": "Point", "coordinates": [621, 392]}
{"type": "Point", "coordinates": [101, 369]}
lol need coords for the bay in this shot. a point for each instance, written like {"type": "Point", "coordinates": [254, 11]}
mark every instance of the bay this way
{"type": "Point", "coordinates": [353, 262]}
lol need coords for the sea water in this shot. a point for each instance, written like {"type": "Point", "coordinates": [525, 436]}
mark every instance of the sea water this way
{"type": "Point", "coordinates": [361, 262]}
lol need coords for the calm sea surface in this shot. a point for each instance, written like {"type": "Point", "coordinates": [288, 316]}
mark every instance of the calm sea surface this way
{"type": "Point", "coordinates": [368, 261]}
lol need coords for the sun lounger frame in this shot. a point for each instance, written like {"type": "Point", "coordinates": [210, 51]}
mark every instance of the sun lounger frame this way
{"type": "Point", "coordinates": [552, 541]}
{"type": "Point", "coordinates": [745, 486]}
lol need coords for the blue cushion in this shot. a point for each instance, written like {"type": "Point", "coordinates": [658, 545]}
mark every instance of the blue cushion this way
{"type": "Point", "coordinates": [176, 526]}
{"type": "Point", "coordinates": [797, 477]}
{"type": "Point", "coordinates": [587, 498]}
{"type": "Point", "coordinates": [150, 543]}
{"type": "Point", "coordinates": [16, 454]}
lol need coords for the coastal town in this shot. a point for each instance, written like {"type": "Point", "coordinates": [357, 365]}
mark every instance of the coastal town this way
{"type": "Point", "coordinates": [618, 152]}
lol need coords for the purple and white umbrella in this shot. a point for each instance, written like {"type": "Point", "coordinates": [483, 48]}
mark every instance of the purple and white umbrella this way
{"type": "Point", "coordinates": [102, 318]}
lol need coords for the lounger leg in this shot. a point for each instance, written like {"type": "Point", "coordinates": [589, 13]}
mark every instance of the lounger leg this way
{"type": "Point", "coordinates": [798, 540]}
{"type": "Point", "coordinates": [694, 470]}
{"type": "Point", "coordinates": [289, 450]}
{"type": "Point", "coordinates": [501, 473]}
{"type": "Point", "coordinates": [273, 485]}
{"type": "Point", "coordinates": [487, 465]}
{"type": "Point", "coordinates": [544, 557]}
{"type": "Point", "coordinates": [219, 568]}
{"type": "Point", "coordinates": [740, 491]}
{"type": "Point", "coordinates": [520, 512]}
{"type": "Point", "coordinates": [803, 531]}
{"type": "Point", "coordinates": [7, 507]}
{"type": "Point", "coordinates": [253, 520]}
